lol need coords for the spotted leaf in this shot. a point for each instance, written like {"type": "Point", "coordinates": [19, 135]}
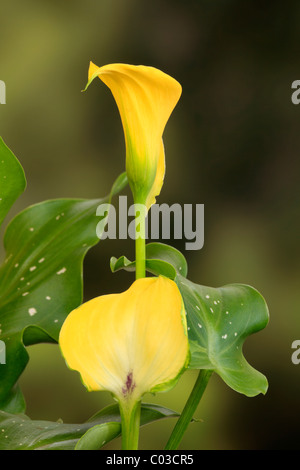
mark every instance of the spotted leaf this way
{"type": "Point", "coordinates": [219, 321]}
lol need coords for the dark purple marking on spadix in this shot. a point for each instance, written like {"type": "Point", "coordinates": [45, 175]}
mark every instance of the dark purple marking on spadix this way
{"type": "Point", "coordinates": [129, 385]}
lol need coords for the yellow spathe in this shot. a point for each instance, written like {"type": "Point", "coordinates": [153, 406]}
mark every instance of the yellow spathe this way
{"type": "Point", "coordinates": [145, 97]}
{"type": "Point", "coordinates": [129, 343]}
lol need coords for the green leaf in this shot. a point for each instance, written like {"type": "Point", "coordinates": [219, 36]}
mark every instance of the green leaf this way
{"type": "Point", "coordinates": [168, 254]}
{"type": "Point", "coordinates": [15, 402]}
{"type": "Point", "coordinates": [41, 277]}
{"type": "Point", "coordinates": [20, 432]}
{"type": "Point", "coordinates": [118, 185]}
{"type": "Point", "coordinates": [149, 412]}
{"type": "Point", "coordinates": [12, 180]}
{"type": "Point", "coordinates": [97, 436]}
{"type": "Point", "coordinates": [160, 258]}
{"type": "Point", "coordinates": [219, 321]}
{"type": "Point", "coordinates": [116, 264]}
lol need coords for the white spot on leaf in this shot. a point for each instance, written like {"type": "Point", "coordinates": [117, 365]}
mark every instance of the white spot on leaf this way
{"type": "Point", "coordinates": [32, 311]}
{"type": "Point", "coordinates": [61, 271]}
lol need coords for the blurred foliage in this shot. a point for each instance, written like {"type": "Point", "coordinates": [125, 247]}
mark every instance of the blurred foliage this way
{"type": "Point", "coordinates": [232, 144]}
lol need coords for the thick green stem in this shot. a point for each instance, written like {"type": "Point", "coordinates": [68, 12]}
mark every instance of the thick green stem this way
{"type": "Point", "coordinates": [140, 242]}
{"type": "Point", "coordinates": [189, 409]}
{"type": "Point", "coordinates": [130, 419]}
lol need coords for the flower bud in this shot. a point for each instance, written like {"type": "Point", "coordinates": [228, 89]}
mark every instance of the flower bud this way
{"type": "Point", "coordinates": [145, 97]}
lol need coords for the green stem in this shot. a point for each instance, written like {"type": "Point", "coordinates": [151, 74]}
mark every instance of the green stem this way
{"type": "Point", "coordinates": [130, 419]}
{"type": "Point", "coordinates": [189, 409]}
{"type": "Point", "coordinates": [140, 243]}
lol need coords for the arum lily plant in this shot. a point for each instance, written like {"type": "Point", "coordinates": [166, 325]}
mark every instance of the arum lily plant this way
{"type": "Point", "coordinates": [130, 343]}
{"type": "Point", "coordinates": [134, 342]}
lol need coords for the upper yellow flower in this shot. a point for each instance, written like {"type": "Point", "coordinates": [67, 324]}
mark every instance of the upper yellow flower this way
{"type": "Point", "coordinates": [146, 98]}
{"type": "Point", "coordinates": [129, 343]}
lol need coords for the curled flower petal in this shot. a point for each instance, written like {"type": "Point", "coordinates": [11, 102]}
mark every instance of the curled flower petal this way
{"type": "Point", "coordinates": [145, 97]}
{"type": "Point", "coordinates": [129, 343]}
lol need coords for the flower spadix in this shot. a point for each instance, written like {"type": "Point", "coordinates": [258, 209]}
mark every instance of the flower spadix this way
{"type": "Point", "coordinates": [145, 97]}
{"type": "Point", "coordinates": [129, 343]}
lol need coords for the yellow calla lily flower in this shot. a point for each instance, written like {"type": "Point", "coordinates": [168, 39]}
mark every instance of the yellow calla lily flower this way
{"type": "Point", "coordinates": [129, 343]}
{"type": "Point", "coordinates": [145, 97]}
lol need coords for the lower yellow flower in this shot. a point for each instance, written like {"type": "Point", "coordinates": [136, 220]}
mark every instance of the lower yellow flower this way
{"type": "Point", "coordinates": [129, 343]}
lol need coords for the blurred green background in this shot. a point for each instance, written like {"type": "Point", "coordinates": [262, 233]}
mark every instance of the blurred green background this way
{"type": "Point", "coordinates": [232, 144]}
